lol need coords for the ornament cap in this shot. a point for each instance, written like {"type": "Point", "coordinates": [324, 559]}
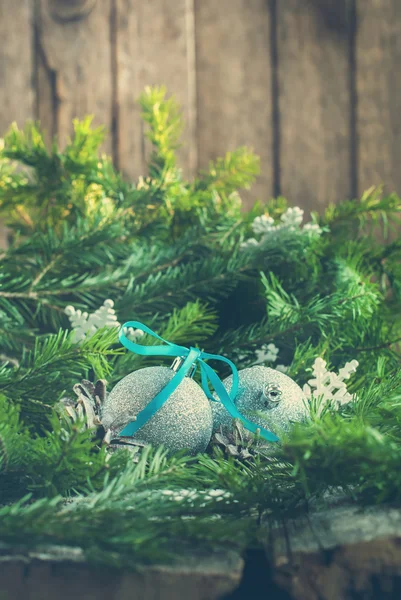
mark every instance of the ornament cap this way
{"type": "Point", "coordinates": [272, 395]}
{"type": "Point", "coordinates": [177, 364]}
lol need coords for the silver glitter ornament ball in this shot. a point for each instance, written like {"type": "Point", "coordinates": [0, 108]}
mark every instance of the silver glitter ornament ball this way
{"type": "Point", "coordinates": [184, 421]}
{"type": "Point", "coordinates": [265, 396]}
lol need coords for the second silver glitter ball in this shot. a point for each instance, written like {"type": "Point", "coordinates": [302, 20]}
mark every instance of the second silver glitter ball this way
{"type": "Point", "coordinates": [265, 396]}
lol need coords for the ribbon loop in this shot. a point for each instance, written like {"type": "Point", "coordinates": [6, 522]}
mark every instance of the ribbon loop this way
{"type": "Point", "coordinates": [191, 356]}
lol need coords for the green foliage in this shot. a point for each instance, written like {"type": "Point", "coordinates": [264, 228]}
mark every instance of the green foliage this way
{"type": "Point", "coordinates": [130, 520]}
{"type": "Point", "coordinates": [44, 373]}
{"type": "Point", "coordinates": [234, 171]}
{"type": "Point", "coordinates": [357, 449]}
{"type": "Point", "coordinates": [43, 188]}
{"type": "Point", "coordinates": [64, 458]}
{"type": "Point", "coordinates": [182, 257]}
{"type": "Point", "coordinates": [163, 117]}
{"type": "Point", "coordinates": [14, 441]}
{"type": "Point", "coordinates": [363, 215]}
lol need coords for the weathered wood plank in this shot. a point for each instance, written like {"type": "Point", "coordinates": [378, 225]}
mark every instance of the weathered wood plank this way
{"type": "Point", "coordinates": [155, 46]}
{"type": "Point", "coordinates": [342, 552]}
{"type": "Point", "coordinates": [378, 55]}
{"type": "Point", "coordinates": [234, 83]}
{"type": "Point", "coordinates": [17, 98]}
{"type": "Point", "coordinates": [313, 40]}
{"type": "Point", "coordinates": [46, 107]}
{"type": "Point", "coordinates": [61, 572]}
{"type": "Point", "coordinates": [75, 67]}
{"type": "Point", "coordinates": [16, 63]}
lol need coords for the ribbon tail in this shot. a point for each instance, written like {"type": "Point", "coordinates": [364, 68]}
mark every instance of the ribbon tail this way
{"type": "Point", "coordinates": [235, 384]}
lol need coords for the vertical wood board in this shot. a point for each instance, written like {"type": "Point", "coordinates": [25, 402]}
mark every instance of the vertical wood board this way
{"type": "Point", "coordinates": [378, 55]}
{"type": "Point", "coordinates": [17, 98]}
{"type": "Point", "coordinates": [314, 101]}
{"type": "Point", "coordinates": [76, 57]}
{"type": "Point", "coordinates": [155, 46]}
{"type": "Point", "coordinates": [16, 63]}
{"type": "Point", "coordinates": [234, 91]}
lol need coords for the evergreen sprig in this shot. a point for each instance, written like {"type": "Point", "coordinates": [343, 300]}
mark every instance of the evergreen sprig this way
{"type": "Point", "coordinates": [181, 256]}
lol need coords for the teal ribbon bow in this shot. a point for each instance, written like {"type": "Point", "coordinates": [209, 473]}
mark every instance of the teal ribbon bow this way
{"type": "Point", "coordinates": [191, 356]}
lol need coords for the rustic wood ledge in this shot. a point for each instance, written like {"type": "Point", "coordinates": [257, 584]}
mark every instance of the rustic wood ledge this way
{"type": "Point", "coordinates": [343, 552]}
{"type": "Point", "coordinates": [340, 553]}
{"type": "Point", "coordinates": [62, 573]}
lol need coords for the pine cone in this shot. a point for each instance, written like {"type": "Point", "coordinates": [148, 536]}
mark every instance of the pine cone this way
{"type": "Point", "coordinates": [88, 406]}
{"type": "Point", "coordinates": [233, 443]}
{"type": "Point", "coordinates": [89, 403]}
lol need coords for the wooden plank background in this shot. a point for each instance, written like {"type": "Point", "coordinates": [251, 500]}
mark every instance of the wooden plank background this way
{"type": "Point", "coordinates": [314, 100]}
{"type": "Point", "coordinates": [311, 85]}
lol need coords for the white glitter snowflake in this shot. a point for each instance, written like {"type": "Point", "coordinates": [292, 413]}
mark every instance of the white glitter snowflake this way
{"type": "Point", "coordinates": [267, 353]}
{"type": "Point", "coordinates": [291, 220]}
{"type": "Point", "coordinates": [329, 386]}
{"type": "Point", "coordinates": [85, 325]}
{"type": "Point", "coordinates": [190, 496]}
{"type": "Point", "coordinates": [292, 217]}
{"type": "Point", "coordinates": [263, 224]}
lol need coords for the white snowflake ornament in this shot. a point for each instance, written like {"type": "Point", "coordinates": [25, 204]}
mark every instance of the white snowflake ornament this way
{"type": "Point", "coordinates": [312, 228]}
{"type": "Point", "coordinates": [263, 224]}
{"type": "Point", "coordinates": [292, 217]}
{"type": "Point", "coordinates": [252, 242]}
{"type": "Point", "coordinates": [267, 353]}
{"type": "Point", "coordinates": [291, 220]}
{"type": "Point", "coordinates": [329, 386]}
{"type": "Point", "coordinates": [133, 334]}
{"type": "Point", "coordinates": [85, 325]}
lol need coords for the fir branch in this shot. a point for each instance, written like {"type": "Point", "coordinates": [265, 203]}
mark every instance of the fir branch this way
{"type": "Point", "coordinates": [372, 206]}
{"type": "Point", "coordinates": [154, 515]}
{"type": "Point", "coordinates": [380, 346]}
{"type": "Point", "coordinates": [236, 170]}
{"type": "Point", "coordinates": [55, 364]}
{"type": "Point", "coordinates": [163, 116]}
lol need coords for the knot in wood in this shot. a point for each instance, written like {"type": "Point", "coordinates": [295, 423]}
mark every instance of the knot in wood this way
{"type": "Point", "coordinates": [70, 10]}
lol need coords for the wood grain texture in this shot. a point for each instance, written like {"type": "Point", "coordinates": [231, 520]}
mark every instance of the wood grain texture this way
{"type": "Point", "coordinates": [46, 94]}
{"type": "Point", "coordinates": [16, 63]}
{"type": "Point", "coordinates": [155, 46]}
{"type": "Point", "coordinates": [344, 551]}
{"type": "Point", "coordinates": [314, 101]}
{"type": "Point", "coordinates": [378, 56]}
{"type": "Point", "coordinates": [17, 98]}
{"type": "Point", "coordinates": [233, 70]}
{"type": "Point", "coordinates": [75, 64]}
{"type": "Point", "coordinates": [317, 97]}
{"type": "Point", "coordinates": [70, 10]}
{"type": "Point", "coordinates": [234, 83]}
{"type": "Point", "coordinates": [60, 572]}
